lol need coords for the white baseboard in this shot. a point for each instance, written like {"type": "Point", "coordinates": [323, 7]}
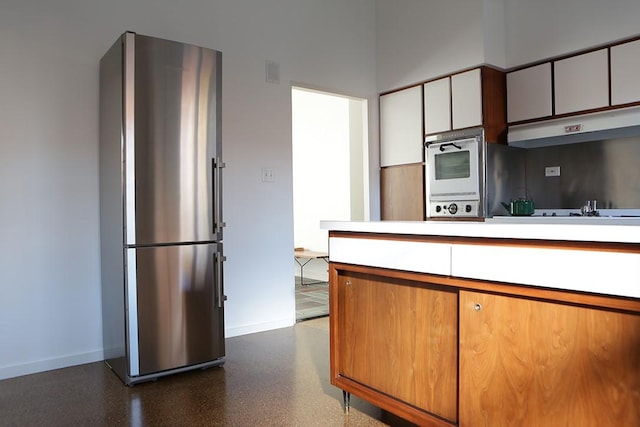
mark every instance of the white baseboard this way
{"type": "Point", "coordinates": [259, 327]}
{"type": "Point", "coordinates": [50, 364]}
{"type": "Point", "coordinates": [95, 356]}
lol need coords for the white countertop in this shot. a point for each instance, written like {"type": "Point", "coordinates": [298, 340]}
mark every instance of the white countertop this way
{"type": "Point", "coordinates": [589, 229]}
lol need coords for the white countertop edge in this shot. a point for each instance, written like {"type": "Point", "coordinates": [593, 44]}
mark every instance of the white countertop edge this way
{"type": "Point", "coordinates": [616, 231]}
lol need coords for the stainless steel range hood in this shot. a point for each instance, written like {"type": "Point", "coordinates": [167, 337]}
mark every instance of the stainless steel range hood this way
{"type": "Point", "coordinates": [570, 130]}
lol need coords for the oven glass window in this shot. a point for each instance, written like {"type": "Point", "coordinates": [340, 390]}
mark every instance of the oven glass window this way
{"type": "Point", "coordinates": [453, 165]}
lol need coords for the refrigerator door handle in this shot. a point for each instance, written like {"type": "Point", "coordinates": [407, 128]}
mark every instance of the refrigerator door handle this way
{"type": "Point", "coordinates": [218, 259]}
{"type": "Point", "coordinates": [216, 167]}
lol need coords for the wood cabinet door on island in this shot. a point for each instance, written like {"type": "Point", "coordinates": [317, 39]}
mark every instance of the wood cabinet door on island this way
{"type": "Point", "coordinates": [398, 338]}
{"type": "Point", "coordinates": [535, 363]}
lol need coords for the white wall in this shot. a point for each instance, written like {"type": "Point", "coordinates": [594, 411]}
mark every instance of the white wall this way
{"type": "Point", "coordinates": [359, 156]}
{"type": "Point", "coordinates": [542, 29]}
{"type": "Point", "coordinates": [50, 310]}
{"type": "Point", "coordinates": [422, 39]}
{"type": "Point", "coordinates": [495, 24]}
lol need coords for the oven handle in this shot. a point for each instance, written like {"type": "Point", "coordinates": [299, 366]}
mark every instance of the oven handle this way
{"type": "Point", "coordinates": [450, 144]}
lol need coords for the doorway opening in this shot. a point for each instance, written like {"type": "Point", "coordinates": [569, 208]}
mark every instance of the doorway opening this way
{"type": "Point", "coordinates": [330, 155]}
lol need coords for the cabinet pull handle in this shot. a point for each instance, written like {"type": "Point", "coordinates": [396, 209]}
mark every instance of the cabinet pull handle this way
{"type": "Point", "coordinates": [348, 283]}
{"type": "Point", "coordinates": [477, 307]}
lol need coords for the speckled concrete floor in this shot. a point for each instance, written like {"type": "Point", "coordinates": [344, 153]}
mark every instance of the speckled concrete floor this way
{"type": "Point", "coordinates": [274, 378]}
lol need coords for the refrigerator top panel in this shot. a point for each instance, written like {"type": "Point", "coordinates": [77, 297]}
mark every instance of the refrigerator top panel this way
{"type": "Point", "coordinates": [172, 142]}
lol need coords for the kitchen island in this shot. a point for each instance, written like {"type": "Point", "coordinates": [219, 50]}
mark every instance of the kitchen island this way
{"type": "Point", "coordinates": [489, 323]}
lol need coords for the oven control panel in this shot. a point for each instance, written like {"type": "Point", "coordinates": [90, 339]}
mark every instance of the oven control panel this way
{"type": "Point", "coordinates": [457, 208]}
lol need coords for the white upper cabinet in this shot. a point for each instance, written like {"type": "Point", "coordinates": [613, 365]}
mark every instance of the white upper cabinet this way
{"type": "Point", "coordinates": [582, 82]}
{"type": "Point", "coordinates": [466, 99]}
{"type": "Point", "coordinates": [529, 93]}
{"type": "Point", "coordinates": [437, 106]}
{"type": "Point", "coordinates": [625, 73]}
{"type": "Point", "coordinates": [401, 127]}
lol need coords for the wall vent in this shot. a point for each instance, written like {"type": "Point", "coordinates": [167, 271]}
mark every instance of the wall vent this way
{"type": "Point", "coordinates": [272, 69]}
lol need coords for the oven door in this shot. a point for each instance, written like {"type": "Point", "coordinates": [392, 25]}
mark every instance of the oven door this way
{"type": "Point", "coordinates": [454, 170]}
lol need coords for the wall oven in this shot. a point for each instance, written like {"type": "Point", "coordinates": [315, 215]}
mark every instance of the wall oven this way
{"type": "Point", "coordinates": [454, 174]}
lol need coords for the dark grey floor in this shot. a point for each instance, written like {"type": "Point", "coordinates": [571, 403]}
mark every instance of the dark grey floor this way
{"type": "Point", "coordinates": [274, 378]}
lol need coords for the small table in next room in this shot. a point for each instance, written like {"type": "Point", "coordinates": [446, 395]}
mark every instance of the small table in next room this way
{"type": "Point", "coordinates": [303, 257]}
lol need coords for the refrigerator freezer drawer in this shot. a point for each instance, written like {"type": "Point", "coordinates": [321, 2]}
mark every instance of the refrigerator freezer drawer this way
{"type": "Point", "coordinates": [176, 315]}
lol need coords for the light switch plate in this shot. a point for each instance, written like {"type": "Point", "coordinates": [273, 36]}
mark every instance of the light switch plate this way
{"type": "Point", "coordinates": [552, 171]}
{"type": "Point", "coordinates": [267, 175]}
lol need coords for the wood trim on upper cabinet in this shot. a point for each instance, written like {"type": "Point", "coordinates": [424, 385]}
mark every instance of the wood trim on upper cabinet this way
{"type": "Point", "coordinates": [399, 89]}
{"type": "Point", "coordinates": [553, 89]}
{"type": "Point", "coordinates": [494, 104]}
{"type": "Point", "coordinates": [609, 75]}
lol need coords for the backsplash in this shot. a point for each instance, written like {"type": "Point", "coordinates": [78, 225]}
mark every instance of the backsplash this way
{"type": "Point", "coordinates": [607, 171]}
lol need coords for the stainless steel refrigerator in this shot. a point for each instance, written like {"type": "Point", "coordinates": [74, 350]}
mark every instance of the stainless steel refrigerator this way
{"type": "Point", "coordinates": [161, 207]}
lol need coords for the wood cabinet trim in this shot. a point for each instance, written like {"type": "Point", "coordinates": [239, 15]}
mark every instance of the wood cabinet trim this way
{"type": "Point", "coordinates": [394, 406]}
{"type": "Point", "coordinates": [455, 284]}
{"type": "Point", "coordinates": [574, 114]}
{"type": "Point", "coordinates": [494, 104]}
{"type": "Point", "coordinates": [400, 89]}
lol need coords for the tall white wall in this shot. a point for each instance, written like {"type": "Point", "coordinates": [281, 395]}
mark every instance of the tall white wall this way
{"type": "Point", "coordinates": [545, 28]}
{"type": "Point", "coordinates": [421, 39]}
{"type": "Point", "coordinates": [495, 27]}
{"type": "Point", "coordinates": [50, 309]}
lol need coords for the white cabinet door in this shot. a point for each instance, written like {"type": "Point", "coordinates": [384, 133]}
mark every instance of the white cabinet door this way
{"type": "Point", "coordinates": [401, 127]}
{"type": "Point", "coordinates": [466, 98]}
{"type": "Point", "coordinates": [437, 106]}
{"type": "Point", "coordinates": [582, 82]}
{"type": "Point", "coordinates": [529, 93]}
{"type": "Point", "coordinates": [625, 73]}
